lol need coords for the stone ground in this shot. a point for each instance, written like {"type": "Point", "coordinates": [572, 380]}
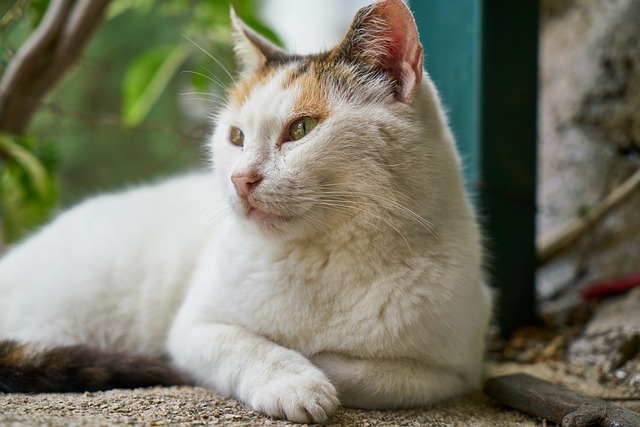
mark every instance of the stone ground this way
{"type": "Point", "coordinates": [191, 406]}
{"type": "Point", "coordinates": [598, 358]}
{"type": "Point", "coordinates": [186, 406]}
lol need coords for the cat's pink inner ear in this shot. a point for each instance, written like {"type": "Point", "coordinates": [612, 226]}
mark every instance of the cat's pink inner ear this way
{"type": "Point", "coordinates": [403, 31]}
{"type": "Point", "coordinates": [390, 36]}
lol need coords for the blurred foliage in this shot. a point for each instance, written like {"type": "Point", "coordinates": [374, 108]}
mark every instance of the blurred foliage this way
{"type": "Point", "coordinates": [119, 116]}
{"type": "Point", "coordinates": [209, 25]}
{"type": "Point", "coordinates": [28, 189]}
{"type": "Point", "coordinates": [147, 78]}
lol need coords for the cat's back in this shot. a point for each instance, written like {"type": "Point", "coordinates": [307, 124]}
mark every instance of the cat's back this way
{"type": "Point", "coordinates": [113, 253]}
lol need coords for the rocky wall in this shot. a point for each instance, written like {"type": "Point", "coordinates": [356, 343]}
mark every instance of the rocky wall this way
{"type": "Point", "coordinates": [589, 135]}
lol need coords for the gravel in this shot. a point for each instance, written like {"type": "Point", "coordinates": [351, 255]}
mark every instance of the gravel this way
{"type": "Point", "coordinates": [193, 406]}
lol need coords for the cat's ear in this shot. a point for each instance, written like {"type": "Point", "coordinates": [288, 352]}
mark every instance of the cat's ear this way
{"type": "Point", "coordinates": [384, 35]}
{"type": "Point", "coordinates": [253, 50]}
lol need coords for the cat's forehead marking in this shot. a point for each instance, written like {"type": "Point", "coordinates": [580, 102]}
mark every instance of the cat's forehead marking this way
{"type": "Point", "coordinates": [243, 89]}
{"type": "Point", "coordinates": [300, 76]}
{"type": "Point", "coordinates": [267, 108]}
{"type": "Point", "coordinates": [312, 93]}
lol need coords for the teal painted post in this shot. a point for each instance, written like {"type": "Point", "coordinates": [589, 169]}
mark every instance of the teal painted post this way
{"type": "Point", "coordinates": [482, 55]}
{"type": "Point", "coordinates": [450, 35]}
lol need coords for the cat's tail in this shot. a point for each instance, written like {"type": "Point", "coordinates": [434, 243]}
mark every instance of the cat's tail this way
{"type": "Point", "coordinates": [37, 368]}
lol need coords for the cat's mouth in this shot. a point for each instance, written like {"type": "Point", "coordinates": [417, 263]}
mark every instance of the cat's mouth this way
{"type": "Point", "coordinates": [262, 216]}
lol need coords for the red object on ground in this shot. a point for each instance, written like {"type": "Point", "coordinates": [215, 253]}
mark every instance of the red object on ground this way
{"type": "Point", "coordinates": [609, 287]}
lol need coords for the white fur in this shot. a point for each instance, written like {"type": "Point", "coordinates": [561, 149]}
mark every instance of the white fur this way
{"type": "Point", "coordinates": [371, 295]}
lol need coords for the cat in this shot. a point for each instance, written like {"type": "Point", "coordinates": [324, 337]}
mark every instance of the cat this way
{"type": "Point", "coordinates": [329, 257]}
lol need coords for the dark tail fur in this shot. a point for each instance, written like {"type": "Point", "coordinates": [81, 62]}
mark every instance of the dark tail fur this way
{"type": "Point", "coordinates": [40, 369]}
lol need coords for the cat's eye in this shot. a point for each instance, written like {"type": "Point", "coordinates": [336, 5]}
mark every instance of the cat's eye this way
{"type": "Point", "coordinates": [236, 136]}
{"type": "Point", "coordinates": [301, 127]}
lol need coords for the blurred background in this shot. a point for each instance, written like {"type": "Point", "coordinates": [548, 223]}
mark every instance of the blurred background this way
{"type": "Point", "coordinates": [137, 103]}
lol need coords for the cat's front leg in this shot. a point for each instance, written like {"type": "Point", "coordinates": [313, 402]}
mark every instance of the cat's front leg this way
{"type": "Point", "coordinates": [391, 383]}
{"type": "Point", "coordinates": [238, 363]}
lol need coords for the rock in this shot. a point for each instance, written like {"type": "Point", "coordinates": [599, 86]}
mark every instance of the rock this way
{"type": "Point", "coordinates": [589, 130]}
{"type": "Point", "coordinates": [611, 339]}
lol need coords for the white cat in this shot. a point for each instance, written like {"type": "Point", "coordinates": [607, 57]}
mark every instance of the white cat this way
{"type": "Point", "coordinates": [331, 256]}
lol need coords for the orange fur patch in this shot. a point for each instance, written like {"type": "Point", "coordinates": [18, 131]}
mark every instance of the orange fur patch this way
{"type": "Point", "coordinates": [240, 92]}
{"type": "Point", "coordinates": [312, 100]}
{"type": "Point", "coordinates": [14, 356]}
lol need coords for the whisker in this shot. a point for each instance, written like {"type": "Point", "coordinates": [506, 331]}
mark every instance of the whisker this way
{"type": "Point", "coordinates": [392, 204]}
{"type": "Point", "coordinates": [207, 77]}
{"type": "Point", "coordinates": [382, 202]}
{"type": "Point", "coordinates": [212, 78]}
{"type": "Point", "coordinates": [344, 205]}
{"type": "Point", "coordinates": [375, 216]}
{"type": "Point", "coordinates": [316, 220]}
{"type": "Point", "coordinates": [340, 208]}
{"type": "Point", "coordinates": [212, 101]}
{"type": "Point", "coordinates": [220, 213]}
{"type": "Point", "coordinates": [220, 64]}
{"type": "Point", "coordinates": [216, 79]}
{"type": "Point", "coordinates": [208, 96]}
{"type": "Point", "coordinates": [395, 165]}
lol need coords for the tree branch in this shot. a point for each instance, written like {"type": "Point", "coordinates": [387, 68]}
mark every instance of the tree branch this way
{"type": "Point", "coordinates": [44, 58]}
{"type": "Point", "coordinates": [553, 243]}
{"type": "Point", "coordinates": [23, 66]}
{"type": "Point", "coordinates": [83, 20]}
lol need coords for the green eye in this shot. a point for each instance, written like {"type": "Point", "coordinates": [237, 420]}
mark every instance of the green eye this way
{"type": "Point", "coordinates": [236, 136]}
{"type": "Point", "coordinates": [301, 127]}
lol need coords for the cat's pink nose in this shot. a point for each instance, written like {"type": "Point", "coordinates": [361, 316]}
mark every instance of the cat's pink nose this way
{"type": "Point", "coordinates": [245, 181]}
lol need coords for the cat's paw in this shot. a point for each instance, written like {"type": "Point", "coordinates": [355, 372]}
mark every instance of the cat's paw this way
{"type": "Point", "coordinates": [306, 397]}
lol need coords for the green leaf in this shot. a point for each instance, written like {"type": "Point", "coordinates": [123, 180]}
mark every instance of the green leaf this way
{"type": "Point", "coordinates": [28, 189]}
{"type": "Point", "coordinates": [36, 172]}
{"type": "Point", "coordinates": [147, 78]}
{"type": "Point", "coordinates": [117, 7]}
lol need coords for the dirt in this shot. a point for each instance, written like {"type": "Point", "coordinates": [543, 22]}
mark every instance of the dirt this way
{"type": "Point", "coordinates": [193, 406]}
{"type": "Point", "coordinates": [188, 406]}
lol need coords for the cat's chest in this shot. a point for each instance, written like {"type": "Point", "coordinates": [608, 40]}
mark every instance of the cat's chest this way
{"type": "Point", "coordinates": [309, 299]}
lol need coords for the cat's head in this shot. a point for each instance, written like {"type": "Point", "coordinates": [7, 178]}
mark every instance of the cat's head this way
{"type": "Point", "coordinates": [307, 143]}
